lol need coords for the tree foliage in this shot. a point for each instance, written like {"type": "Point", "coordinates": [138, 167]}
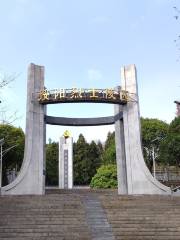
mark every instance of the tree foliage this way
{"type": "Point", "coordinates": [156, 134]}
{"type": "Point", "coordinates": [87, 158]}
{"type": "Point", "coordinates": [100, 150]}
{"type": "Point", "coordinates": [106, 177]}
{"type": "Point", "coordinates": [109, 153]}
{"type": "Point", "coordinates": [170, 146]}
{"type": "Point", "coordinates": [13, 136]}
{"type": "Point", "coordinates": [52, 163]}
{"type": "Point", "coordinates": [153, 131]}
{"type": "Point", "coordinates": [94, 156]}
{"type": "Point", "coordinates": [81, 164]}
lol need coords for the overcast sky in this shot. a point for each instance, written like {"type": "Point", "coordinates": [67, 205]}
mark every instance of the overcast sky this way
{"type": "Point", "coordinates": [83, 43]}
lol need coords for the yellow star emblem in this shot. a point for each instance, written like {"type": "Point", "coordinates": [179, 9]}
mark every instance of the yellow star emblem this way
{"type": "Point", "coordinates": [66, 134]}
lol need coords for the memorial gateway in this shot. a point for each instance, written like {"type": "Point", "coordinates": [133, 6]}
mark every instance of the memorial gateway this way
{"type": "Point", "coordinates": [133, 175]}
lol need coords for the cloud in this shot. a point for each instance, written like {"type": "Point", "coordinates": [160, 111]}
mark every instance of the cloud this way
{"type": "Point", "coordinates": [142, 17]}
{"type": "Point", "coordinates": [94, 75]}
{"type": "Point", "coordinates": [53, 38]}
{"type": "Point", "coordinates": [20, 12]}
{"type": "Point", "coordinates": [161, 2]}
{"type": "Point", "coordinates": [100, 20]}
{"type": "Point", "coordinates": [138, 22]}
{"type": "Point", "coordinates": [22, 2]}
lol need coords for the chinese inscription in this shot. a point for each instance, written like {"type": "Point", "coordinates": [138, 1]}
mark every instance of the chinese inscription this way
{"type": "Point", "coordinates": [83, 94]}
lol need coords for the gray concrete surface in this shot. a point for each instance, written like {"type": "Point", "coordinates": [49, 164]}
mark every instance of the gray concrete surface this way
{"type": "Point", "coordinates": [133, 174]}
{"type": "Point", "coordinates": [31, 179]}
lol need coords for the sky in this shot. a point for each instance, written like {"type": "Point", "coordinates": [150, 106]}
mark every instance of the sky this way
{"type": "Point", "coordinates": [83, 43]}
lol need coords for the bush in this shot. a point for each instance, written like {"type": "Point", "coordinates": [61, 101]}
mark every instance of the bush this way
{"type": "Point", "coordinates": [13, 136]}
{"type": "Point", "coordinates": [106, 177]}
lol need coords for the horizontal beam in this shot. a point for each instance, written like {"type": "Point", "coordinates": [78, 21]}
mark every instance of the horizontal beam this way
{"type": "Point", "coordinates": [83, 100]}
{"type": "Point", "coordinates": [83, 121]}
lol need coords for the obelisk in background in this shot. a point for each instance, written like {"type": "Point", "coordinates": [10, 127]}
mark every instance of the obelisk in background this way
{"type": "Point", "coordinates": [66, 161]}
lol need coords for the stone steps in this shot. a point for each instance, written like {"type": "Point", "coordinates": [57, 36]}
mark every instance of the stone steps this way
{"type": "Point", "coordinates": [143, 217]}
{"type": "Point", "coordinates": [86, 214]}
{"type": "Point", "coordinates": [43, 217]}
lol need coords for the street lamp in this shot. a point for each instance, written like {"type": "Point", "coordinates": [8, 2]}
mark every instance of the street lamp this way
{"type": "Point", "coordinates": [154, 157]}
{"type": "Point", "coordinates": [153, 154]}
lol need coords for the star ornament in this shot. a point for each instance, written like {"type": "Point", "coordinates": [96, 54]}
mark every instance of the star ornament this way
{"type": "Point", "coordinates": [66, 134]}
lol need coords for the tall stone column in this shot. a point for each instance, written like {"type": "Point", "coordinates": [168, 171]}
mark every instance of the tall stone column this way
{"type": "Point", "coordinates": [120, 152]}
{"type": "Point", "coordinates": [31, 179]}
{"type": "Point", "coordinates": [134, 177]}
{"type": "Point", "coordinates": [65, 163]}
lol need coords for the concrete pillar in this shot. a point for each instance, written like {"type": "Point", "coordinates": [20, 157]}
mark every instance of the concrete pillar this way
{"type": "Point", "coordinates": [120, 153]}
{"type": "Point", "coordinates": [31, 179]}
{"type": "Point", "coordinates": [66, 163]}
{"type": "Point", "coordinates": [134, 177]}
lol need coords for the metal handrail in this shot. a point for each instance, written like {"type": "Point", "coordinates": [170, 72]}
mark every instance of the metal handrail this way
{"type": "Point", "coordinates": [176, 188]}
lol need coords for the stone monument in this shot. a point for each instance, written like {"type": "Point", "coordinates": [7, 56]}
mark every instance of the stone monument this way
{"type": "Point", "coordinates": [133, 174]}
{"type": "Point", "coordinates": [66, 161]}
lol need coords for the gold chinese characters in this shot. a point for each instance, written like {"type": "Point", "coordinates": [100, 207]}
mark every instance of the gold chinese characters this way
{"type": "Point", "coordinates": [59, 93]}
{"type": "Point", "coordinates": [43, 95]}
{"type": "Point", "coordinates": [80, 94]}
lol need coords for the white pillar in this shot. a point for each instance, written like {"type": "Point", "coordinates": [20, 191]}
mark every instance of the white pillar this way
{"type": "Point", "coordinates": [139, 179]}
{"type": "Point", "coordinates": [65, 163]}
{"type": "Point", "coordinates": [31, 179]}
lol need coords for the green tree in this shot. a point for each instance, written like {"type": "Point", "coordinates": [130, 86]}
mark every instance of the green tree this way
{"type": "Point", "coordinates": [52, 163]}
{"type": "Point", "coordinates": [153, 131]}
{"type": "Point", "coordinates": [109, 153]}
{"type": "Point", "coordinates": [109, 140]}
{"type": "Point", "coordinates": [106, 177]}
{"type": "Point", "coordinates": [170, 146]}
{"type": "Point", "coordinates": [100, 149]}
{"type": "Point", "coordinates": [81, 163]}
{"type": "Point", "coordinates": [94, 156]}
{"type": "Point", "coordinates": [87, 158]}
{"type": "Point", "coordinates": [13, 136]}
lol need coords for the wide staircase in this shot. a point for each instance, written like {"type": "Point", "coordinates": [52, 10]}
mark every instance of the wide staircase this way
{"type": "Point", "coordinates": [87, 214]}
